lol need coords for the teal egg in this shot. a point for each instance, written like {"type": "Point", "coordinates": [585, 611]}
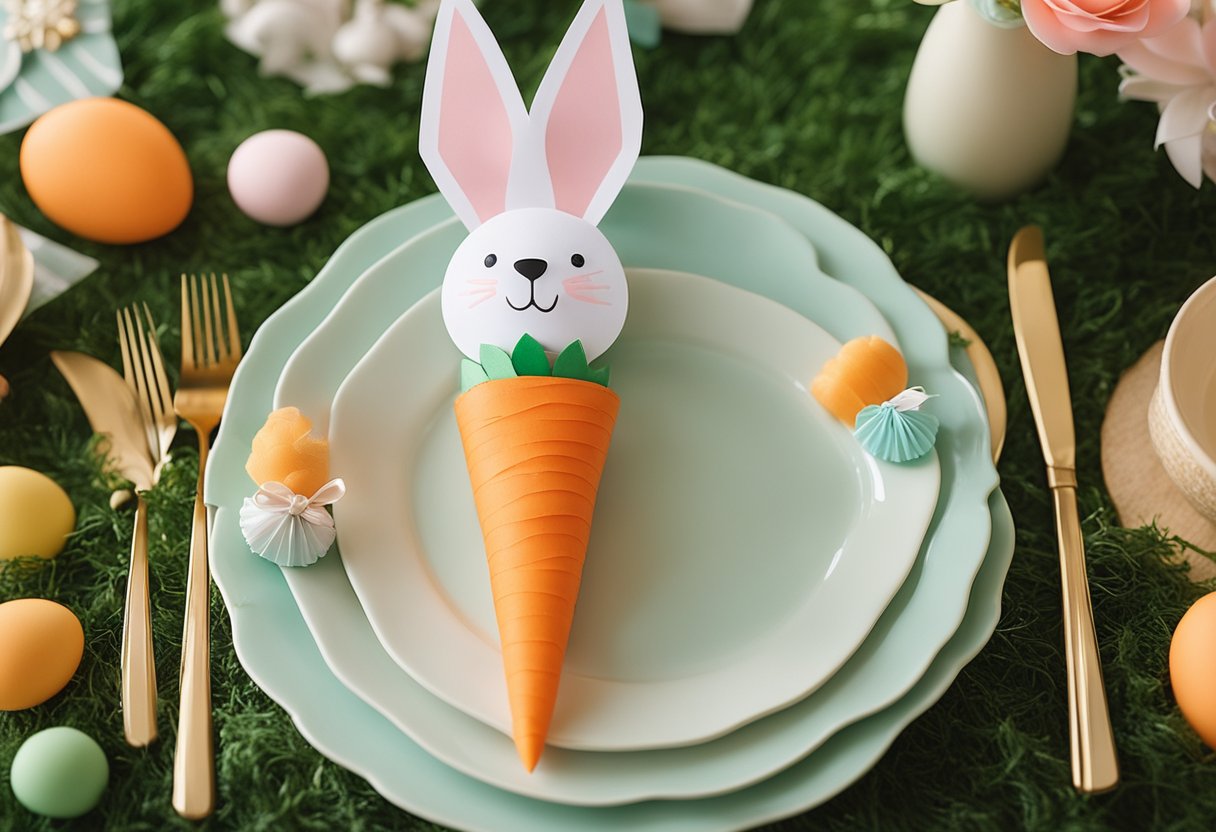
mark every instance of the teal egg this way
{"type": "Point", "coordinates": [60, 773]}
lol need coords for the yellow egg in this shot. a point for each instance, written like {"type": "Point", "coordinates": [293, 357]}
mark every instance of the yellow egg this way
{"type": "Point", "coordinates": [1193, 667]}
{"type": "Point", "coordinates": [41, 643]}
{"type": "Point", "coordinates": [36, 515]}
{"type": "Point", "coordinates": [107, 170]}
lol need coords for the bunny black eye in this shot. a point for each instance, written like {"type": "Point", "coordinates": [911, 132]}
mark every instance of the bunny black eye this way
{"type": "Point", "coordinates": [490, 260]}
{"type": "Point", "coordinates": [578, 261]}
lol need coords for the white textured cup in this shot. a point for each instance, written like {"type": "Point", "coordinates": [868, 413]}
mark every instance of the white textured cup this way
{"type": "Point", "coordinates": [1182, 413]}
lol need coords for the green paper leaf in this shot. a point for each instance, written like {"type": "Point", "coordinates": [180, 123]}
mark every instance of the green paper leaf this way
{"type": "Point", "coordinates": [471, 374]}
{"type": "Point", "coordinates": [572, 362]}
{"type": "Point", "coordinates": [599, 375]}
{"type": "Point", "coordinates": [529, 358]}
{"type": "Point", "coordinates": [496, 363]}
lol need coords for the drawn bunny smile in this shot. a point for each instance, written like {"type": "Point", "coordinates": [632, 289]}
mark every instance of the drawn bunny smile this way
{"type": "Point", "coordinates": [532, 304]}
{"type": "Point", "coordinates": [531, 269]}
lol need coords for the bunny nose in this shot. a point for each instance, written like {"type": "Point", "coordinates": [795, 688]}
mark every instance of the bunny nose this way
{"type": "Point", "coordinates": [531, 268]}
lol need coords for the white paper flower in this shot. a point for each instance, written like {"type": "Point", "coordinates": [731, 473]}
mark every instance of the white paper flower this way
{"type": "Point", "coordinates": [41, 24]}
{"type": "Point", "coordinates": [1177, 72]}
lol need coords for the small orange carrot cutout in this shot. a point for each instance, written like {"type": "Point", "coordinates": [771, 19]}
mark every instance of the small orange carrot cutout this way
{"type": "Point", "coordinates": [535, 448]}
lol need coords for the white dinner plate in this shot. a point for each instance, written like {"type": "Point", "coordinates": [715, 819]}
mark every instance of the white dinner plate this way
{"type": "Point", "coordinates": [743, 543]}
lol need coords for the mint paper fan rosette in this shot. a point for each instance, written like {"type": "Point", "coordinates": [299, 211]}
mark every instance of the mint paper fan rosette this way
{"type": "Point", "coordinates": [897, 430]}
{"type": "Point", "coordinates": [85, 65]}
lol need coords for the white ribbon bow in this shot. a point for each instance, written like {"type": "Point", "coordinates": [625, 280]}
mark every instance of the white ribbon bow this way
{"type": "Point", "coordinates": [910, 399]}
{"type": "Point", "coordinates": [276, 498]}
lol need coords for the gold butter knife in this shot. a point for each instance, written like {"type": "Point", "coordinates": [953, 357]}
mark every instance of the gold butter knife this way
{"type": "Point", "coordinates": [1037, 329]}
{"type": "Point", "coordinates": [113, 412]}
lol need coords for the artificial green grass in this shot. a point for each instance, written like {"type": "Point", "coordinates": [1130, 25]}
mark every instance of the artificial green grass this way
{"type": "Point", "coordinates": [808, 97]}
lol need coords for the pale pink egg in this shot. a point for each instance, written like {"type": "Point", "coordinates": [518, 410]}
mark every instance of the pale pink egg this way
{"type": "Point", "coordinates": [278, 177]}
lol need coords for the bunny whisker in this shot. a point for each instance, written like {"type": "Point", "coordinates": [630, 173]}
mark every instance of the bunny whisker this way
{"type": "Point", "coordinates": [580, 286]}
{"type": "Point", "coordinates": [483, 289]}
{"type": "Point", "coordinates": [589, 299]}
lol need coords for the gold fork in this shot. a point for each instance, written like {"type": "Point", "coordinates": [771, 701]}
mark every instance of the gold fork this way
{"type": "Point", "coordinates": [143, 368]}
{"type": "Point", "coordinates": [209, 358]}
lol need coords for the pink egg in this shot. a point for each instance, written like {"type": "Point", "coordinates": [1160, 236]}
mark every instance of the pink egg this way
{"type": "Point", "coordinates": [278, 177]}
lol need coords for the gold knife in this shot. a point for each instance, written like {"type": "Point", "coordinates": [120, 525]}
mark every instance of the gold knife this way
{"type": "Point", "coordinates": [1037, 329]}
{"type": "Point", "coordinates": [114, 413]}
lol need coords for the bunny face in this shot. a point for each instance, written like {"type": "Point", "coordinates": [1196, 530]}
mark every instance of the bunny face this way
{"type": "Point", "coordinates": [536, 271]}
{"type": "Point", "coordinates": [531, 186]}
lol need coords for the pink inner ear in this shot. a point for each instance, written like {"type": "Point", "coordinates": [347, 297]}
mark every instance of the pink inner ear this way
{"type": "Point", "coordinates": [475, 139]}
{"type": "Point", "coordinates": [583, 137]}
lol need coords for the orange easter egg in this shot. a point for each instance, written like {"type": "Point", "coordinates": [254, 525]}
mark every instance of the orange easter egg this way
{"type": "Point", "coordinates": [41, 644]}
{"type": "Point", "coordinates": [106, 170]}
{"type": "Point", "coordinates": [866, 371]}
{"type": "Point", "coordinates": [1193, 667]}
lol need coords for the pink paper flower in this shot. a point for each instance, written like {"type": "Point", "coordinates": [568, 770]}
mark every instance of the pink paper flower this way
{"type": "Point", "coordinates": [1177, 71]}
{"type": "Point", "coordinates": [1100, 27]}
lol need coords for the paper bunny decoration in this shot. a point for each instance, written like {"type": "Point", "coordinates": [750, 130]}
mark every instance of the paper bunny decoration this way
{"type": "Point", "coordinates": [532, 293]}
{"type": "Point", "coordinates": [531, 186]}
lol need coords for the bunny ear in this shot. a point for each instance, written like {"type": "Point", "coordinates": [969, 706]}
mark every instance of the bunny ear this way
{"type": "Point", "coordinates": [587, 113]}
{"type": "Point", "coordinates": [471, 113]}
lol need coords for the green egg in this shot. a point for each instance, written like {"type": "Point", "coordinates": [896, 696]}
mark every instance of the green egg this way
{"type": "Point", "coordinates": [60, 773]}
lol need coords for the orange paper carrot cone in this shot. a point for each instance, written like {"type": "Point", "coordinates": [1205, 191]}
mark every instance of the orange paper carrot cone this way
{"type": "Point", "coordinates": [535, 447]}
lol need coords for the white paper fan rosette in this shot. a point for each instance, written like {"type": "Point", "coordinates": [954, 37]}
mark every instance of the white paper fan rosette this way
{"type": "Point", "coordinates": [287, 528]}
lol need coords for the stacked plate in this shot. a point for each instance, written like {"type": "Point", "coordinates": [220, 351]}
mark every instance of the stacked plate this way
{"type": "Point", "coordinates": [764, 607]}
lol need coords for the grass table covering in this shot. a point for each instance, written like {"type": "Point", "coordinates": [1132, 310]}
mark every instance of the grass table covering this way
{"type": "Point", "coordinates": [808, 96]}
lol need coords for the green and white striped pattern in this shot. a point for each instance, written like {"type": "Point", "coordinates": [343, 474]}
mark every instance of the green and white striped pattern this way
{"type": "Point", "coordinates": [86, 66]}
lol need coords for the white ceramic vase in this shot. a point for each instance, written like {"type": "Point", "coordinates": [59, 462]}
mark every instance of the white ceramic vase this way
{"type": "Point", "coordinates": [988, 108]}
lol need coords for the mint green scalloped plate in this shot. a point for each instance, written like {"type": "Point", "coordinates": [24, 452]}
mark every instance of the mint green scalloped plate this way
{"type": "Point", "coordinates": [643, 214]}
{"type": "Point", "coordinates": [266, 620]}
{"type": "Point", "coordinates": [678, 218]}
